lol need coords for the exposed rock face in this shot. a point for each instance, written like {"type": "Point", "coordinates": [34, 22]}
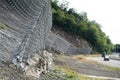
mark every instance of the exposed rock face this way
{"type": "Point", "coordinates": [58, 43]}
{"type": "Point", "coordinates": [41, 62]}
{"type": "Point", "coordinates": [28, 24]}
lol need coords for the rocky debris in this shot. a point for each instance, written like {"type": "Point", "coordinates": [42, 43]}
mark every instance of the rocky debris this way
{"type": "Point", "coordinates": [40, 63]}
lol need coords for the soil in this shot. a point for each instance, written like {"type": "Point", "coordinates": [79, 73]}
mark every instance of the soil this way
{"type": "Point", "coordinates": [9, 72]}
{"type": "Point", "coordinates": [76, 63]}
{"type": "Point", "coordinates": [84, 66]}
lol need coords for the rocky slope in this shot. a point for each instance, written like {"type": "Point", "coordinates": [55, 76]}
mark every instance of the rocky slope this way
{"type": "Point", "coordinates": [28, 23]}
{"type": "Point", "coordinates": [25, 34]}
{"type": "Point", "coordinates": [67, 43]}
{"type": "Point", "coordinates": [24, 27]}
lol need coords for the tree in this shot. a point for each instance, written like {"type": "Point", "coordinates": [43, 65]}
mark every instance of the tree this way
{"type": "Point", "coordinates": [79, 24]}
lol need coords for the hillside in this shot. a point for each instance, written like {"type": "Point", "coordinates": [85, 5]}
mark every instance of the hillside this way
{"type": "Point", "coordinates": [29, 50]}
{"type": "Point", "coordinates": [78, 24]}
{"type": "Point", "coordinates": [64, 68]}
{"type": "Point", "coordinates": [65, 43]}
{"type": "Point", "coordinates": [75, 40]}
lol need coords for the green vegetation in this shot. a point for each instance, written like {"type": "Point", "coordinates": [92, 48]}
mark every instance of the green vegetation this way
{"type": "Point", "coordinates": [67, 74]}
{"type": "Point", "coordinates": [116, 48]}
{"type": "Point", "coordinates": [107, 67]}
{"type": "Point", "coordinates": [78, 24]}
{"type": "Point", "coordinates": [3, 26]}
{"type": "Point", "coordinates": [112, 68]}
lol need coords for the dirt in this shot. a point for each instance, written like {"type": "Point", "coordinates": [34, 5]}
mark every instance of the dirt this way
{"type": "Point", "coordinates": [10, 73]}
{"type": "Point", "coordinates": [84, 66]}
{"type": "Point", "coordinates": [76, 63]}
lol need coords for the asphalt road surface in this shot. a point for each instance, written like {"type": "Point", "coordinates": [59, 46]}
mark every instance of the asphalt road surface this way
{"type": "Point", "coordinates": [88, 68]}
{"type": "Point", "coordinates": [113, 63]}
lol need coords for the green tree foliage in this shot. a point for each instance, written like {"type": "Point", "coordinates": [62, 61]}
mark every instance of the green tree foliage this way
{"type": "Point", "coordinates": [116, 48]}
{"type": "Point", "coordinates": [78, 24]}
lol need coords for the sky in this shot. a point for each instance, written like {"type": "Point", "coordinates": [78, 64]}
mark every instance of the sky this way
{"type": "Point", "coordinates": [104, 12]}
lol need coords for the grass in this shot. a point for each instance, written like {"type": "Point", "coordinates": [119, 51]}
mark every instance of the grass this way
{"type": "Point", "coordinates": [68, 74]}
{"type": "Point", "coordinates": [111, 68]}
{"type": "Point", "coordinates": [83, 58]}
{"type": "Point", "coordinates": [3, 26]}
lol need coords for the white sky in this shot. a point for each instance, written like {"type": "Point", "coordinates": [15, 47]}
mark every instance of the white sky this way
{"type": "Point", "coordinates": [104, 12]}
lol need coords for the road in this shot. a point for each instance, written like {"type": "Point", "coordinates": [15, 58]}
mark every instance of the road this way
{"type": "Point", "coordinates": [87, 68]}
{"type": "Point", "coordinates": [113, 63]}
